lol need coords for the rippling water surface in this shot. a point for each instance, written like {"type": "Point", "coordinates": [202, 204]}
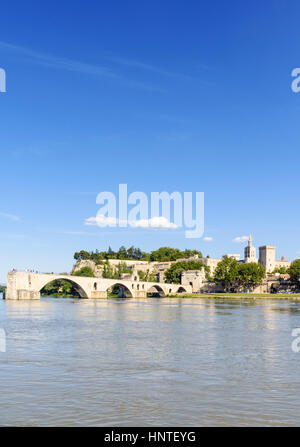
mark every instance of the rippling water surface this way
{"type": "Point", "coordinates": [149, 362]}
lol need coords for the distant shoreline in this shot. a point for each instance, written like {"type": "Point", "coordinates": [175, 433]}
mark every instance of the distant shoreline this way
{"type": "Point", "coordinates": [276, 296]}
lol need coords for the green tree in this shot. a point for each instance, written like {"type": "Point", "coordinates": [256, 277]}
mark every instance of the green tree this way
{"type": "Point", "coordinates": [110, 253]}
{"type": "Point", "coordinates": [226, 273]}
{"type": "Point", "coordinates": [281, 270]}
{"type": "Point", "coordinates": [84, 271]}
{"type": "Point", "coordinates": [250, 275]}
{"type": "Point", "coordinates": [122, 268]}
{"type": "Point", "coordinates": [147, 276]}
{"type": "Point", "coordinates": [82, 255]}
{"type": "Point", "coordinates": [294, 271]}
{"type": "Point", "coordinates": [59, 287]}
{"type": "Point", "coordinates": [108, 271]}
{"type": "Point", "coordinates": [145, 256]}
{"type": "Point", "coordinates": [173, 274]}
{"type": "Point", "coordinates": [112, 272]}
{"type": "Point", "coordinates": [164, 254]}
{"type": "Point", "coordinates": [122, 253]}
{"type": "Point", "coordinates": [189, 253]}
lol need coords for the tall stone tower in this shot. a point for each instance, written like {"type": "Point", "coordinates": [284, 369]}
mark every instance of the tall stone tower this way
{"type": "Point", "coordinates": [267, 257]}
{"type": "Point", "coordinates": [250, 251]}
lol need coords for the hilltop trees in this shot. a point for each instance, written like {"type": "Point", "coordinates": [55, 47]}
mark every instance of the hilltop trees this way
{"type": "Point", "coordinates": [84, 271]}
{"type": "Point", "coordinates": [99, 257]}
{"type": "Point", "coordinates": [82, 255]}
{"type": "Point", "coordinates": [163, 254]}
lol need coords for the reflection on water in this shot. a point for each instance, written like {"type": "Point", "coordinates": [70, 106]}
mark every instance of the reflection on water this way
{"type": "Point", "coordinates": [149, 362]}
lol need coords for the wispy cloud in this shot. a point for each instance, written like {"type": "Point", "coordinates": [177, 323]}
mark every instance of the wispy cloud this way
{"type": "Point", "coordinates": [240, 239]}
{"type": "Point", "coordinates": [76, 233]}
{"type": "Point", "coordinates": [57, 62]}
{"type": "Point", "coordinates": [153, 223]}
{"type": "Point", "coordinates": [48, 60]}
{"type": "Point", "coordinates": [10, 216]}
{"type": "Point", "coordinates": [208, 239]}
{"type": "Point", "coordinates": [12, 236]}
{"type": "Point", "coordinates": [149, 67]}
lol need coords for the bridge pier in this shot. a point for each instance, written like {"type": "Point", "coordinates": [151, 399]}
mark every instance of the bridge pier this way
{"type": "Point", "coordinates": [97, 294]}
{"type": "Point", "coordinates": [22, 295]}
{"type": "Point", "coordinates": [139, 294]}
{"type": "Point", "coordinates": [19, 290]}
{"type": "Point", "coordinates": [28, 295]}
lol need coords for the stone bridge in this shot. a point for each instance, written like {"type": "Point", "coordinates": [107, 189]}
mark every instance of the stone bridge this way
{"type": "Point", "coordinates": [27, 286]}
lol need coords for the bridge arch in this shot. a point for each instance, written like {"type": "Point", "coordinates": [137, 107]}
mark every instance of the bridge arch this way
{"type": "Point", "coordinates": [79, 288]}
{"type": "Point", "coordinates": [181, 290]}
{"type": "Point", "coordinates": [156, 291]}
{"type": "Point", "coordinates": [121, 289]}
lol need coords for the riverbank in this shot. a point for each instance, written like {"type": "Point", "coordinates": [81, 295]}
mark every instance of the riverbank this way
{"type": "Point", "coordinates": [279, 296]}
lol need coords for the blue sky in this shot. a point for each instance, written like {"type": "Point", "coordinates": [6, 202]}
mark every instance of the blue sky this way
{"type": "Point", "coordinates": [163, 96]}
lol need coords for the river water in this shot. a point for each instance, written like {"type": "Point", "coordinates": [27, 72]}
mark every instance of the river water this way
{"type": "Point", "coordinates": [132, 362]}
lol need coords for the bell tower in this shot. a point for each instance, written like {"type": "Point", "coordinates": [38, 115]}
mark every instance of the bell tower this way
{"type": "Point", "coordinates": [250, 251]}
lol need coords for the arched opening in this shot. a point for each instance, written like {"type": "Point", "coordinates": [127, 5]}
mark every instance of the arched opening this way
{"type": "Point", "coordinates": [273, 288]}
{"type": "Point", "coordinates": [119, 291]}
{"type": "Point", "coordinates": [62, 288]}
{"type": "Point", "coordinates": [155, 292]}
{"type": "Point", "coordinates": [181, 290]}
{"type": "Point", "coordinates": [95, 286]}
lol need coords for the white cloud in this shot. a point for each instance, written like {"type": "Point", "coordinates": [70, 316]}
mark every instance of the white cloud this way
{"type": "Point", "coordinates": [240, 239]}
{"type": "Point", "coordinates": [102, 221]}
{"type": "Point", "coordinates": [208, 239]}
{"type": "Point", "coordinates": [154, 222]}
{"type": "Point", "coordinates": [10, 216]}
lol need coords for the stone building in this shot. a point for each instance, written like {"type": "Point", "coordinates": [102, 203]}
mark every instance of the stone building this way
{"type": "Point", "coordinates": [194, 278]}
{"type": "Point", "coordinates": [267, 258]}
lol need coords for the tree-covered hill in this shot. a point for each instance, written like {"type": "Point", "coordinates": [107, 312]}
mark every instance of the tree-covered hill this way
{"type": "Point", "coordinates": [162, 254]}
